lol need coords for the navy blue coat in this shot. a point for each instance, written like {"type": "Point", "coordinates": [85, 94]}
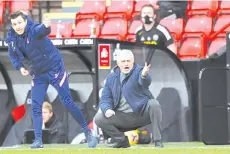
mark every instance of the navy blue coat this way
{"type": "Point", "coordinates": [33, 49]}
{"type": "Point", "coordinates": [134, 88]}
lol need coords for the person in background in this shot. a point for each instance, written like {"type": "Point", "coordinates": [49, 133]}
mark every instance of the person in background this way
{"type": "Point", "coordinates": [153, 33]}
{"type": "Point", "coordinates": [51, 122]}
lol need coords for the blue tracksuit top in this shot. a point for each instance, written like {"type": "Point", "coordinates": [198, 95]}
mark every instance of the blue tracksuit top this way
{"type": "Point", "coordinates": [33, 48]}
{"type": "Point", "coordinates": [134, 88]}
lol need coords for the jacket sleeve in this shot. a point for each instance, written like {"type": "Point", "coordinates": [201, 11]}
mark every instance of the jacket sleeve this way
{"type": "Point", "coordinates": [39, 31]}
{"type": "Point", "coordinates": [14, 59]}
{"type": "Point", "coordinates": [106, 98]}
{"type": "Point", "coordinates": [144, 81]}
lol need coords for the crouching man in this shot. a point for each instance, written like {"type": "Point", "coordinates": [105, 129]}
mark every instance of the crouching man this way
{"type": "Point", "coordinates": [126, 102]}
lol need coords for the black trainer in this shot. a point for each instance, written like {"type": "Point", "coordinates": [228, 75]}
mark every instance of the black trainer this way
{"type": "Point", "coordinates": [159, 144]}
{"type": "Point", "coordinates": [121, 144]}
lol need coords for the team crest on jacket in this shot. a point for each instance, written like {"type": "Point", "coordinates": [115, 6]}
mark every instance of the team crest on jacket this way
{"type": "Point", "coordinates": [155, 37]}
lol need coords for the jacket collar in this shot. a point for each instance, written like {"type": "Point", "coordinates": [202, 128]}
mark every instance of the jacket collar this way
{"type": "Point", "coordinates": [50, 122]}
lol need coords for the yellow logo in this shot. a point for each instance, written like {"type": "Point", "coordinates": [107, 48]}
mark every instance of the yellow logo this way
{"type": "Point", "coordinates": [150, 42]}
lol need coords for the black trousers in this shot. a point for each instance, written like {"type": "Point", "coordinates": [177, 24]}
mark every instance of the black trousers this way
{"type": "Point", "coordinates": [116, 125]}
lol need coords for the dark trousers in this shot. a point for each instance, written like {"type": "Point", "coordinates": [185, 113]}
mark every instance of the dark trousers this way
{"type": "Point", "coordinates": [116, 125]}
{"type": "Point", "coordinates": [57, 77]}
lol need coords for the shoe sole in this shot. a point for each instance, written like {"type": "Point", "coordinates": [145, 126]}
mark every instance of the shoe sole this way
{"type": "Point", "coordinates": [119, 147]}
{"type": "Point", "coordinates": [37, 148]}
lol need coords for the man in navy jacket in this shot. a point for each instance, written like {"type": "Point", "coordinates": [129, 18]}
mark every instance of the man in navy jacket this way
{"type": "Point", "coordinates": [126, 102]}
{"type": "Point", "coordinates": [28, 45]}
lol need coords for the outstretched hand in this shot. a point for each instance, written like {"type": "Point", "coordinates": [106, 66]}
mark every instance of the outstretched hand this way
{"type": "Point", "coordinates": [146, 69]}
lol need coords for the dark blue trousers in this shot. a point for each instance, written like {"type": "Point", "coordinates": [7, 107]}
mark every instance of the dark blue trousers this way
{"type": "Point", "coordinates": [58, 78]}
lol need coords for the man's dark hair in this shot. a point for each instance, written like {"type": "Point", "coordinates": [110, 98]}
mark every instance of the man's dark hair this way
{"type": "Point", "coordinates": [17, 14]}
{"type": "Point", "coordinates": [148, 5]}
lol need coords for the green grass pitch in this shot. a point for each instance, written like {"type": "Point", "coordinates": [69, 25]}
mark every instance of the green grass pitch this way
{"type": "Point", "coordinates": [170, 148]}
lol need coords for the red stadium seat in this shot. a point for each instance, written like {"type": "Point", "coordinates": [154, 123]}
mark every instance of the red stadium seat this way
{"type": "Point", "coordinates": [92, 9]}
{"type": "Point", "coordinates": [216, 44]}
{"type": "Point", "coordinates": [111, 37]}
{"type": "Point", "coordinates": [123, 8]}
{"type": "Point", "coordinates": [115, 27]}
{"type": "Point", "coordinates": [140, 3]}
{"type": "Point", "coordinates": [221, 21]}
{"type": "Point", "coordinates": [192, 48]}
{"type": "Point", "coordinates": [82, 28]}
{"type": "Point", "coordinates": [207, 7]}
{"type": "Point", "coordinates": [65, 29]}
{"type": "Point", "coordinates": [175, 26]}
{"type": "Point", "coordinates": [25, 5]}
{"type": "Point", "coordinates": [224, 7]}
{"type": "Point", "coordinates": [2, 9]}
{"type": "Point", "coordinates": [199, 24]}
{"type": "Point", "coordinates": [132, 30]}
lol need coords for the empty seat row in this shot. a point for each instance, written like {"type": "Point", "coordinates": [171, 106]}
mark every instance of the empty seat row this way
{"type": "Point", "coordinates": [117, 28]}
{"type": "Point", "coordinates": [196, 26]}
{"type": "Point", "coordinates": [208, 7]}
{"type": "Point", "coordinates": [123, 8]}
{"type": "Point", "coordinates": [113, 27]}
{"type": "Point", "coordinates": [126, 8]}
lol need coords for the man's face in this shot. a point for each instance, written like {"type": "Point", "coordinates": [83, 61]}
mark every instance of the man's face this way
{"type": "Point", "coordinates": [147, 11]}
{"type": "Point", "coordinates": [125, 64]}
{"type": "Point", "coordinates": [46, 115]}
{"type": "Point", "coordinates": [19, 25]}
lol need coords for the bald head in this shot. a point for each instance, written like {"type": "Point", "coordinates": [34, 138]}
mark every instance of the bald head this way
{"type": "Point", "coordinates": [125, 60]}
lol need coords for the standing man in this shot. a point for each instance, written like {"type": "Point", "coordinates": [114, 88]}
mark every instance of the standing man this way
{"type": "Point", "coordinates": [126, 102]}
{"type": "Point", "coordinates": [153, 33]}
{"type": "Point", "coordinates": [28, 44]}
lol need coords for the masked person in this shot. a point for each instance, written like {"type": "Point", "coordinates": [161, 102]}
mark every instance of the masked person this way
{"type": "Point", "coordinates": [153, 33]}
{"type": "Point", "coordinates": [28, 45]}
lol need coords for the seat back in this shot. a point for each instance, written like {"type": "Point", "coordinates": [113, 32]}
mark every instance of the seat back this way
{"type": "Point", "coordinates": [92, 8]}
{"type": "Point", "coordinates": [65, 29]}
{"type": "Point", "coordinates": [175, 26]}
{"type": "Point", "coordinates": [207, 7]}
{"type": "Point", "coordinates": [120, 8]}
{"type": "Point", "coordinates": [83, 28]}
{"type": "Point", "coordinates": [221, 21]}
{"type": "Point", "coordinates": [140, 3]}
{"type": "Point", "coordinates": [192, 48]}
{"type": "Point", "coordinates": [199, 24]}
{"type": "Point", "coordinates": [115, 26]}
{"type": "Point", "coordinates": [216, 44]}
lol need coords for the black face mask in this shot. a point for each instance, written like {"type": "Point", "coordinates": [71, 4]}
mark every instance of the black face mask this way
{"type": "Point", "coordinates": [148, 20]}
